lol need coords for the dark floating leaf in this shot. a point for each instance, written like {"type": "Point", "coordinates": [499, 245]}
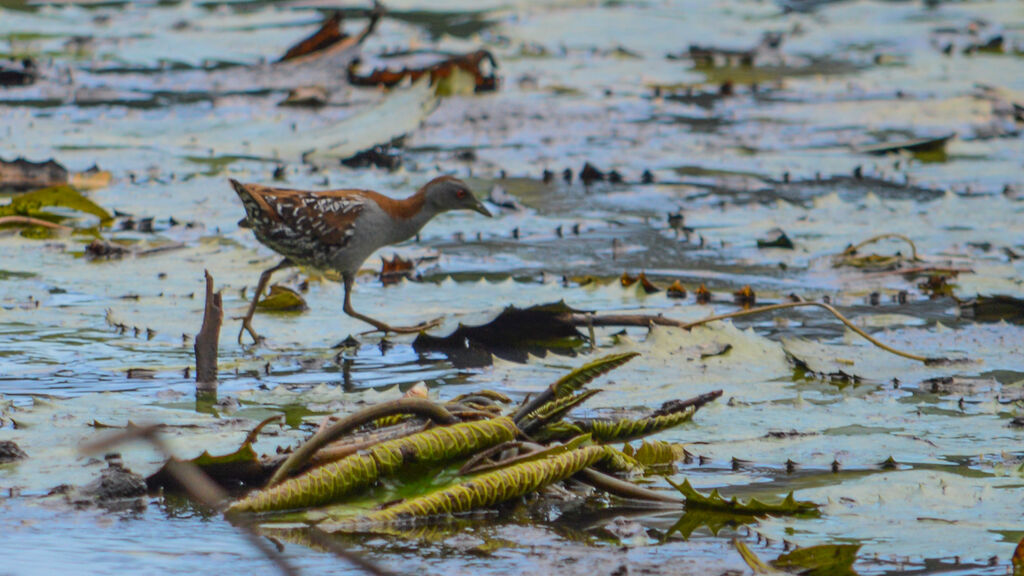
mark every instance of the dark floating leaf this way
{"type": "Point", "coordinates": [513, 335]}
{"type": "Point", "coordinates": [935, 145]}
{"type": "Point", "coordinates": [775, 238]}
{"type": "Point", "coordinates": [9, 452]}
{"type": "Point", "coordinates": [21, 174]}
{"type": "Point", "coordinates": [994, 309]}
{"type": "Point", "coordinates": [472, 62]}
{"type": "Point", "coordinates": [18, 74]}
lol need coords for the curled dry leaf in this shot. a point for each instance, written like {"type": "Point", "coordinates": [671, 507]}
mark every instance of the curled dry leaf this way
{"type": "Point", "coordinates": [472, 62]}
{"type": "Point", "coordinates": [282, 299]}
{"type": "Point", "coordinates": [392, 271]}
{"type": "Point", "coordinates": [329, 39]}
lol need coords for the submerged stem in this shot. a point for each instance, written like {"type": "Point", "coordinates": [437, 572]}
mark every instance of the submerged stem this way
{"type": "Point", "coordinates": [846, 321]}
{"type": "Point", "coordinates": [647, 319]}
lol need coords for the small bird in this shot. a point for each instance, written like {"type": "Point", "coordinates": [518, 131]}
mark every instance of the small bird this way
{"type": "Point", "coordinates": [339, 229]}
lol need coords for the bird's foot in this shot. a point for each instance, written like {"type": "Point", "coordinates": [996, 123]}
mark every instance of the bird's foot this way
{"type": "Point", "coordinates": [247, 327]}
{"type": "Point", "coordinates": [382, 327]}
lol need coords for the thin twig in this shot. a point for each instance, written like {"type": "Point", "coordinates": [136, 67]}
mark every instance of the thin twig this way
{"type": "Point", "coordinates": [624, 489]}
{"type": "Point", "coordinates": [828, 307]}
{"type": "Point", "coordinates": [303, 453]}
{"type": "Point", "coordinates": [646, 320]}
{"type": "Point", "coordinates": [207, 340]}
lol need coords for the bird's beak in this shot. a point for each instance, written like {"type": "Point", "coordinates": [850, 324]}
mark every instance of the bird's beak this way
{"type": "Point", "coordinates": [479, 207]}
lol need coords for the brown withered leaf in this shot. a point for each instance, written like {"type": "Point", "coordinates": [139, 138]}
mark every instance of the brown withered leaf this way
{"type": "Point", "coordinates": [745, 296]}
{"type": "Point", "coordinates": [649, 288]}
{"type": "Point", "coordinates": [330, 38]}
{"type": "Point", "coordinates": [471, 62]}
{"type": "Point", "coordinates": [676, 290]}
{"type": "Point", "coordinates": [703, 294]}
{"type": "Point", "coordinates": [392, 271]}
{"type": "Point", "coordinates": [21, 174]}
{"type": "Point", "coordinates": [329, 34]}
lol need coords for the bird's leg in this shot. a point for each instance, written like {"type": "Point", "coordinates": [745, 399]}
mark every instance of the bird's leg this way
{"type": "Point", "coordinates": [260, 287]}
{"type": "Point", "coordinates": [380, 326]}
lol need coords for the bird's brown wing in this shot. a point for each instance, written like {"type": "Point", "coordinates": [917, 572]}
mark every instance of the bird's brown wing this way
{"type": "Point", "coordinates": [327, 217]}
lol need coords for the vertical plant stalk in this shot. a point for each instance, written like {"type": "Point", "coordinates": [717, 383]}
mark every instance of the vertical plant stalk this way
{"type": "Point", "coordinates": [207, 341]}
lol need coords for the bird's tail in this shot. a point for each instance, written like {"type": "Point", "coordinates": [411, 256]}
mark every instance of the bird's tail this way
{"type": "Point", "coordinates": [249, 201]}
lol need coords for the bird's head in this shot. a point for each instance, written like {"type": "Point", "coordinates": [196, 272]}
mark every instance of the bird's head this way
{"type": "Point", "coordinates": [448, 193]}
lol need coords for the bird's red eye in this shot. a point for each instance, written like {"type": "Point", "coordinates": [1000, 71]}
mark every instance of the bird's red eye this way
{"type": "Point", "coordinates": [462, 194]}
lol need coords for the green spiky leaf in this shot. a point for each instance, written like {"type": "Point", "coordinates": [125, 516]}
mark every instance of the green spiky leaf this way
{"type": "Point", "coordinates": [753, 507]}
{"type": "Point", "coordinates": [554, 410]}
{"type": "Point", "coordinates": [580, 377]}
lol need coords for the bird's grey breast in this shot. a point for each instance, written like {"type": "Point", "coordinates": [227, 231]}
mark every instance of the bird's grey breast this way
{"type": "Point", "coordinates": [373, 229]}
